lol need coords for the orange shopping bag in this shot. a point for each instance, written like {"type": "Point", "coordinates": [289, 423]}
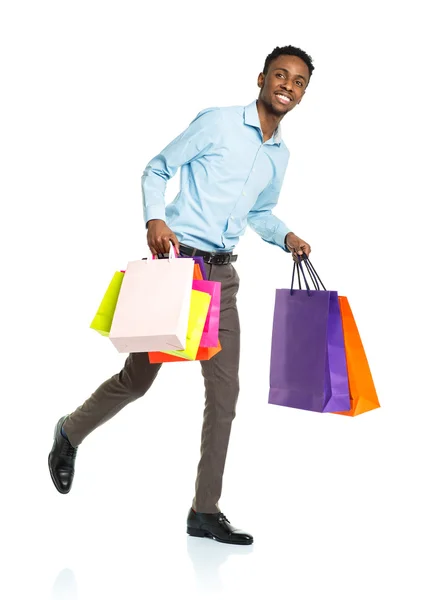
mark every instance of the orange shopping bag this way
{"type": "Point", "coordinates": [361, 386]}
{"type": "Point", "coordinates": [197, 273]}
{"type": "Point", "coordinates": [203, 354]}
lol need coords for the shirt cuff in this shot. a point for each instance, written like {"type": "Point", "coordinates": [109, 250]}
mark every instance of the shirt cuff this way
{"type": "Point", "coordinates": [280, 235]}
{"type": "Point", "coordinates": [154, 212]}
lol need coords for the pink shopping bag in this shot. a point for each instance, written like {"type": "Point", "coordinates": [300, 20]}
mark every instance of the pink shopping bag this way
{"type": "Point", "coordinates": [152, 310]}
{"type": "Point", "coordinates": [210, 336]}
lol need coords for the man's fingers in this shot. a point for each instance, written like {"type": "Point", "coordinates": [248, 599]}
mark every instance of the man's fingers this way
{"type": "Point", "coordinates": [299, 249]}
{"type": "Point", "coordinates": [155, 247]}
{"type": "Point", "coordinates": [299, 255]}
{"type": "Point", "coordinates": [150, 244]}
{"type": "Point", "coordinates": [164, 244]}
{"type": "Point", "coordinates": [302, 250]}
{"type": "Point", "coordinates": [294, 255]}
{"type": "Point", "coordinates": [161, 242]}
{"type": "Point", "coordinates": [175, 242]}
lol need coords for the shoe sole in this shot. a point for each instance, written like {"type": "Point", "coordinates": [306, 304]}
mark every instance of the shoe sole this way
{"type": "Point", "coordinates": [206, 534]}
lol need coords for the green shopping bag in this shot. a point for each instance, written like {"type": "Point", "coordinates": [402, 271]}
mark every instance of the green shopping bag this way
{"type": "Point", "coordinates": [199, 307]}
{"type": "Point", "coordinates": [104, 316]}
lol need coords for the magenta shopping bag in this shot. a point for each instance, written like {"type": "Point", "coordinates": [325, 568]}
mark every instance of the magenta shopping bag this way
{"type": "Point", "coordinates": [210, 334]}
{"type": "Point", "coordinates": [308, 364]}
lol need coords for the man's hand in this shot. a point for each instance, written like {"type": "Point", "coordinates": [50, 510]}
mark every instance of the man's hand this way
{"type": "Point", "coordinates": [159, 236]}
{"type": "Point", "coordinates": [297, 246]}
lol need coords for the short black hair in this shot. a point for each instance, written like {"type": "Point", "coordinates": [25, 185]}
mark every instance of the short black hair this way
{"type": "Point", "coordinates": [290, 51]}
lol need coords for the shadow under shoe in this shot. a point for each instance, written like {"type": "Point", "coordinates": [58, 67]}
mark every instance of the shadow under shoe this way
{"type": "Point", "coordinates": [61, 460]}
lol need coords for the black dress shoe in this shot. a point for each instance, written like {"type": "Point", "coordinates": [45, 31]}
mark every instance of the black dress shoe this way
{"type": "Point", "coordinates": [217, 527]}
{"type": "Point", "coordinates": [61, 460]}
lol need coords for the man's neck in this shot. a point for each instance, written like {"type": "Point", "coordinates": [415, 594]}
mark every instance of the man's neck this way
{"type": "Point", "coordinates": [268, 121]}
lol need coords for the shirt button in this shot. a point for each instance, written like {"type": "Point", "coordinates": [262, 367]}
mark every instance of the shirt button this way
{"type": "Point", "coordinates": [231, 218]}
{"type": "Point", "coordinates": [243, 193]}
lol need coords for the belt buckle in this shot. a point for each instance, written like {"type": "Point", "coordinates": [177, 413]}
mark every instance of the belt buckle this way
{"type": "Point", "coordinates": [220, 259]}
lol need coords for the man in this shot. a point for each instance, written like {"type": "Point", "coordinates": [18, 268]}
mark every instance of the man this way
{"type": "Point", "coordinates": [233, 162]}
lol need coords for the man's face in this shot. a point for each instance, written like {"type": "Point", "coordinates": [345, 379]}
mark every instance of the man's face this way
{"type": "Point", "coordinates": [284, 85]}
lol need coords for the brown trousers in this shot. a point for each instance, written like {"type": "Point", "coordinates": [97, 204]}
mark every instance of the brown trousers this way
{"type": "Point", "coordinates": [221, 392]}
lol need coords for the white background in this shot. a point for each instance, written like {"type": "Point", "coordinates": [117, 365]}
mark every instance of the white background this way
{"type": "Point", "coordinates": [339, 507]}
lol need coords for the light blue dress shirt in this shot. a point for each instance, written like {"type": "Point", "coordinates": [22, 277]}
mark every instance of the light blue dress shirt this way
{"type": "Point", "coordinates": [229, 179]}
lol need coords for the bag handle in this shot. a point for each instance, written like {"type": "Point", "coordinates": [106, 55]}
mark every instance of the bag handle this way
{"type": "Point", "coordinates": [172, 253]}
{"type": "Point", "coordinates": [312, 273]}
{"type": "Point", "coordinates": [299, 266]}
{"type": "Point", "coordinates": [296, 270]}
{"type": "Point", "coordinates": [312, 276]}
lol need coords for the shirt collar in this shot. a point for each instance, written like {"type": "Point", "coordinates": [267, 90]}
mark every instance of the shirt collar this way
{"type": "Point", "coordinates": [251, 117]}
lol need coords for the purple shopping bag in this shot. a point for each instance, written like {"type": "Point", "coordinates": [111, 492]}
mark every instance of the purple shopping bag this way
{"type": "Point", "coordinates": [210, 336]}
{"type": "Point", "coordinates": [308, 363]}
{"type": "Point", "coordinates": [198, 260]}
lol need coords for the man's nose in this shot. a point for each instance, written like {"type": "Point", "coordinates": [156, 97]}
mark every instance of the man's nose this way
{"type": "Point", "coordinates": [288, 85]}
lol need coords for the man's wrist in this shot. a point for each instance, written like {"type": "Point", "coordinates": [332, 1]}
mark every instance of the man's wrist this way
{"type": "Point", "coordinates": [154, 221]}
{"type": "Point", "coordinates": [286, 240]}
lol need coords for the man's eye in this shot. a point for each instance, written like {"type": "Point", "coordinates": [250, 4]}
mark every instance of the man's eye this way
{"type": "Point", "coordinates": [300, 82]}
{"type": "Point", "coordinates": [279, 75]}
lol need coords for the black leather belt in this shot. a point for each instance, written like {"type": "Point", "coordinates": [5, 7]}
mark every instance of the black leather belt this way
{"type": "Point", "coordinates": [212, 258]}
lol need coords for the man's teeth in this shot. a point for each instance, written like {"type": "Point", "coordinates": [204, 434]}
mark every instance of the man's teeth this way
{"type": "Point", "coordinates": [284, 98]}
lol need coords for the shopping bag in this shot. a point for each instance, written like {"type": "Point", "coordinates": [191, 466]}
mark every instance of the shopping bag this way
{"type": "Point", "coordinates": [202, 354]}
{"type": "Point", "coordinates": [197, 274]}
{"type": "Point", "coordinates": [362, 389]}
{"type": "Point", "coordinates": [199, 269]}
{"type": "Point", "coordinates": [103, 319]}
{"type": "Point", "coordinates": [199, 262]}
{"type": "Point", "coordinates": [152, 310]}
{"type": "Point", "coordinates": [199, 306]}
{"type": "Point", "coordinates": [308, 364]}
{"type": "Point", "coordinates": [210, 334]}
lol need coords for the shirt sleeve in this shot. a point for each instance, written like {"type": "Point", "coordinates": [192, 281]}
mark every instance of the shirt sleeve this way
{"type": "Point", "coordinates": [194, 142]}
{"type": "Point", "coordinates": [263, 221]}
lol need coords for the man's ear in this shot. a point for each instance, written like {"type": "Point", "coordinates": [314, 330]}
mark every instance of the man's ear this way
{"type": "Point", "coordinates": [261, 78]}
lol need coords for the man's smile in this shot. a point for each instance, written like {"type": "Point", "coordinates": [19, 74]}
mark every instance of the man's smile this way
{"type": "Point", "coordinates": [283, 98]}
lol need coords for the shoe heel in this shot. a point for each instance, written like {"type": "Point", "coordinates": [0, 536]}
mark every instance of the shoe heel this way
{"type": "Point", "coordinates": [196, 532]}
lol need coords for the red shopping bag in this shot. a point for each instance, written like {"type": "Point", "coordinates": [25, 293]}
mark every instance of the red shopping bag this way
{"type": "Point", "coordinates": [203, 354]}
